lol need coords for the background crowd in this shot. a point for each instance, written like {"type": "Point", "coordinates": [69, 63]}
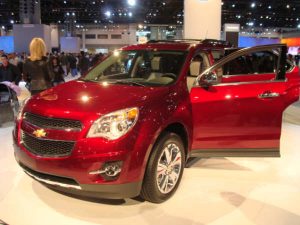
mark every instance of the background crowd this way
{"type": "Point", "coordinates": [41, 70]}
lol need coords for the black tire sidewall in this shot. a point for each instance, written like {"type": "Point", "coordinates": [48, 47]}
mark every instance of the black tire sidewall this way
{"type": "Point", "coordinates": [150, 183]}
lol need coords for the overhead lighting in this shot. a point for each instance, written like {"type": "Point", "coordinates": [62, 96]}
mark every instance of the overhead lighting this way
{"type": "Point", "coordinates": [131, 2]}
{"type": "Point", "coordinates": [130, 14]}
{"type": "Point", "coordinates": [253, 5]}
{"type": "Point", "coordinates": [108, 13]}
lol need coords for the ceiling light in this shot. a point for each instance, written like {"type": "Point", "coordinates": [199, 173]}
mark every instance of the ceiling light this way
{"type": "Point", "coordinates": [108, 13]}
{"type": "Point", "coordinates": [131, 2]}
{"type": "Point", "coordinates": [253, 5]}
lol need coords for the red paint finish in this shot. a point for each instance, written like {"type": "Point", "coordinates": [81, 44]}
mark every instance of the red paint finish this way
{"type": "Point", "coordinates": [230, 115]}
{"type": "Point", "coordinates": [233, 116]}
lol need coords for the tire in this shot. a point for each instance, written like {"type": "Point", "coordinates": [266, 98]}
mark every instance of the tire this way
{"type": "Point", "coordinates": [164, 171]}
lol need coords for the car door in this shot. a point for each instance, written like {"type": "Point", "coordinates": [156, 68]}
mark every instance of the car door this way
{"type": "Point", "coordinates": [240, 117]}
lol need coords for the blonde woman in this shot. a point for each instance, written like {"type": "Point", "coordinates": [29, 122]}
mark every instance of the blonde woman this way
{"type": "Point", "coordinates": [36, 70]}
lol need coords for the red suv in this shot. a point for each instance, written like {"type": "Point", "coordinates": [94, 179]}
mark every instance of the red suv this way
{"type": "Point", "coordinates": [128, 127]}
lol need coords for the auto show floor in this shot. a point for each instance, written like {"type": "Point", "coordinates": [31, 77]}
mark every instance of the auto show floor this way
{"type": "Point", "coordinates": [215, 191]}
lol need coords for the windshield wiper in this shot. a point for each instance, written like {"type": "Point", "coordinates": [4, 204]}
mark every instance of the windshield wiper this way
{"type": "Point", "coordinates": [128, 82]}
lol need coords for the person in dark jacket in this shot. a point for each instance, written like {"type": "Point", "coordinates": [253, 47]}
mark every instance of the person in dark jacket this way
{"type": "Point", "coordinates": [9, 72]}
{"type": "Point", "coordinates": [84, 63]}
{"type": "Point", "coordinates": [73, 67]}
{"type": "Point", "coordinates": [57, 71]}
{"type": "Point", "coordinates": [36, 69]}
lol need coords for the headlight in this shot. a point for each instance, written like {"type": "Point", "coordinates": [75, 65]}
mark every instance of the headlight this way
{"type": "Point", "coordinates": [115, 124]}
{"type": "Point", "coordinates": [22, 104]}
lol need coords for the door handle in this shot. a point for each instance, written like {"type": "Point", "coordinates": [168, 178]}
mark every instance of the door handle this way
{"type": "Point", "coordinates": [269, 94]}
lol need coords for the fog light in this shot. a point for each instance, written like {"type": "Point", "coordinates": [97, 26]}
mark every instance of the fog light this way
{"type": "Point", "coordinates": [109, 170]}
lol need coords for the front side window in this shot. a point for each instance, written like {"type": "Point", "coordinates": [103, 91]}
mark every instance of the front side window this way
{"type": "Point", "coordinates": [141, 67]}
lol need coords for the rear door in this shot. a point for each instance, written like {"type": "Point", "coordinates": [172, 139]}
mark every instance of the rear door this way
{"type": "Point", "coordinates": [237, 115]}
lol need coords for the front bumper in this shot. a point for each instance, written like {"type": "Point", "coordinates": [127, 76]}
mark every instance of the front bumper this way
{"type": "Point", "coordinates": [70, 186]}
{"type": "Point", "coordinates": [71, 174]}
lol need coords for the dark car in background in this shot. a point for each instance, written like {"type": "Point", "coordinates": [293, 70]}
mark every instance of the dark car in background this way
{"type": "Point", "coordinates": [9, 104]}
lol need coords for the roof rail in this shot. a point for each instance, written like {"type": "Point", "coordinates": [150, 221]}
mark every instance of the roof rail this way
{"type": "Point", "coordinates": [157, 41]}
{"type": "Point", "coordinates": [199, 41]}
{"type": "Point", "coordinates": [215, 42]}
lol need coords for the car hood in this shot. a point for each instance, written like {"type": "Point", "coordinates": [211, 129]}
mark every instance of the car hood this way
{"type": "Point", "coordinates": [80, 99]}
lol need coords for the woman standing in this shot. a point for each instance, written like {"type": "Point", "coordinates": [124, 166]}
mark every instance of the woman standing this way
{"type": "Point", "coordinates": [36, 70]}
{"type": "Point", "coordinates": [57, 71]}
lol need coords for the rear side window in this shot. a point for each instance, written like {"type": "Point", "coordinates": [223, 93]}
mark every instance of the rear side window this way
{"type": "Point", "coordinates": [255, 63]}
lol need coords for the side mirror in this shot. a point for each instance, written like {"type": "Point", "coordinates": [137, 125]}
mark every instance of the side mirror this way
{"type": "Point", "coordinates": [208, 79]}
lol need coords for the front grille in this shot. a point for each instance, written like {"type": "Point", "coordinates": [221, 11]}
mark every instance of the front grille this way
{"type": "Point", "coordinates": [52, 123]}
{"type": "Point", "coordinates": [47, 148]}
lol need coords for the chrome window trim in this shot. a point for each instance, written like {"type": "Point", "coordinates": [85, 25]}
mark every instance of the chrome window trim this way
{"type": "Point", "coordinates": [251, 74]}
{"type": "Point", "coordinates": [249, 82]}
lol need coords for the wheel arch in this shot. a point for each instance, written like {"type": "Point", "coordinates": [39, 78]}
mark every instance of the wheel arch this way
{"type": "Point", "coordinates": [177, 128]}
{"type": "Point", "coordinates": [181, 131]}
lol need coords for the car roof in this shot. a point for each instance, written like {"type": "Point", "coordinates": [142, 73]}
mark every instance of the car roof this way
{"type": "Point", "coordinates": [179, 45]}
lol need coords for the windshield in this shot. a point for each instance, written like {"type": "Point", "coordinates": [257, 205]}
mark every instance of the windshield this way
{"type": "Point", "coordinates": [141, 67]}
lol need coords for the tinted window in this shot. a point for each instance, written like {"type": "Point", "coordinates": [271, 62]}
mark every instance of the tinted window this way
{"type": "Point", "coordinates": [102, 36]}
{"type": "Point", "coordinates": [254, 63]}
{"type": "Point", "coordinates": [116, 36]}
{"type": "Point", "coordinates": [90, 36]}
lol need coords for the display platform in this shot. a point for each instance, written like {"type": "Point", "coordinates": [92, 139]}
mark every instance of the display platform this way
{"type": "Point", "coordinates": [292, 114]}
{"type": "Point", "coordinates": [215, 191]}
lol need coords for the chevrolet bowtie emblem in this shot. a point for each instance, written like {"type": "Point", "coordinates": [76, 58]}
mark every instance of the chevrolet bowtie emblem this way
{"type": "Point", "coordinates": [40, 133]}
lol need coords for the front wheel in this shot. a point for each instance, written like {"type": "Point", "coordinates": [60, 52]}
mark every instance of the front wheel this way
{"type": "Point", "coordinates": [164, 169]}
